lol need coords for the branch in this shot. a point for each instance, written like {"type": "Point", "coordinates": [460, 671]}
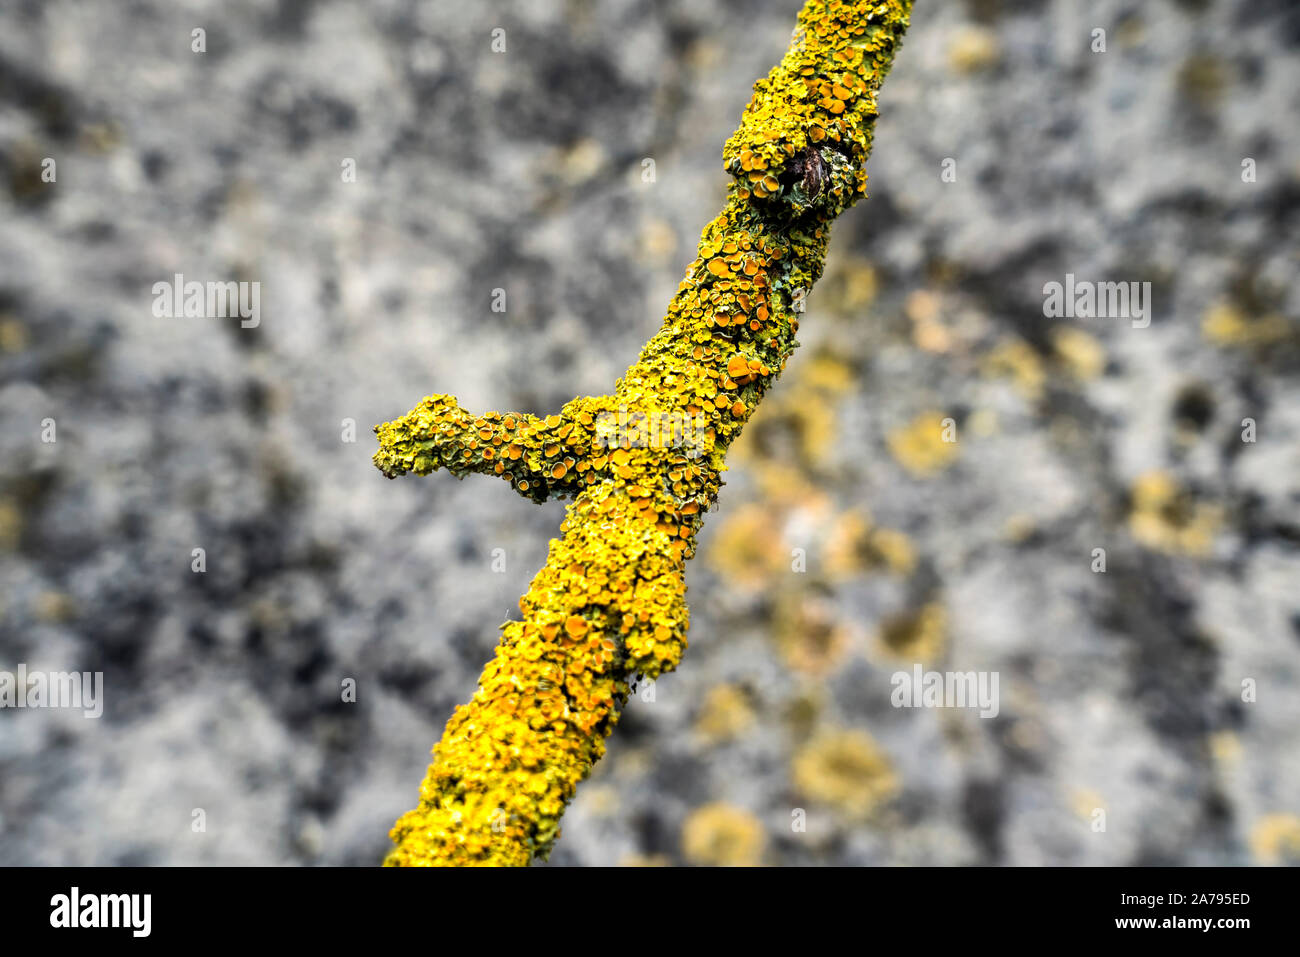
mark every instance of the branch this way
{"type": "Point", "coordinates": [539, 457]}
{"type": "Point", "coordinates": [609, 603]}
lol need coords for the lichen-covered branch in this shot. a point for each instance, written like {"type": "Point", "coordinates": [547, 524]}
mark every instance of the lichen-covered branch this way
{"type": "Point", "coordinates": [609, 604]}
{"type": "Point", "coordinates": [539, 457]}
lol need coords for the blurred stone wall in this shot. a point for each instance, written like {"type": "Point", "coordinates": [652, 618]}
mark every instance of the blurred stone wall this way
{"type": "Point", "coordinates": [1159, 698]}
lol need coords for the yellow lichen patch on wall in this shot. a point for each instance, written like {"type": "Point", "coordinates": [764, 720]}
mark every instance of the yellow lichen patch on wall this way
{"type": "Point", "coordinates": [1085, 803]}
{"type": "Point", "coordinates": [1227, 325]}
{"type": "Point", "coordinates": [748, 550]}
{"type": "Point", "coordinates": [1168, 518]}
{"type": "Point", "coordinates": [1275, 839]}
{"type": "Point", "coordinates": [609, 604]}
{"type": "Point", "coordinates": [1225, 746]}
{"type": "Point", "coordinates": [849, 287]}
{"type": "Point", "coordinates": [846, 770]}
{"type": "Point", "coordinates": [800, 424]}
{"type": "Point", "coordinates": [811, 639]}
{"type": "Point", "coordinates": [13, 335]}
{"type": "Point", "coordinates": [785, 486]}
{"type": "Point", "coordinates": [1018, 361]}
{"type": "Point", "coordinates": [923, 309]}
{"type": "Point", "coordinates": [1081, 354]}
{"type": "Point", "coordinates": [726, 713]}
{"type": "Point", "coordinates": [856, 545]}
{"type": "Point", "coordinates": [11, 524]}
{"type": "Point", "coordinates": [973, 49]}
{"type": "Point", "coordinates": [828, 374]}
{"type": "Point", "coordinates": [638, 860]}
{"type": "Point", "coordinates": [722, 835]}
{"type": "Point", "coordinates": [915, 636]}
{"type": "Point", "coordinates": [921, 447]}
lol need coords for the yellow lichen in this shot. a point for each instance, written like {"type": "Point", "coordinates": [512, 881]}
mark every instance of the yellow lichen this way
{"type": "Point", "coordinates": [1227, 325]}
{"type": "Point", "coordinates": [1017, 360]}
{"type": "Point", "coordinates": [1275, 839]}
{"type": "Point", "coordinates": [853, 286]}
{"type": "Point", "coordinates": [13, 335]}
{"type": "Point", "coordinates": [1085, 802]}
{"type": "Point", "coordinates": [925, 446]}
{"type": "Point", "coordinates": [846, 770]}
{"type": "Point", "coordinates": [928, 331]}
{"type": "Point", "coordinates": [802, 420]}
{"type": "Point", "coordinates": [748, 549]}
{"type": "Point", "coordinates": [856, 545]}
{"type": "Point", "coordinates": [721, 835]}
{"type": "Point", "coordinates": [726, 712]}
{"type": "Point", "coordinates": [609, 604]}
{"type": "Point", "coordinates": [973, 49]}
{"type": "Point", "coordinates": [1168, 518]}
{"type": "Point", "coordinates": [810, 637]}
{"type": "Point", "coordinates": [11, 524]}
{"type": "Point", "coordinates": [1080, 353]}
{"type": "Point", "coordinates": [915, 636]}
{"type": "Point", "coordinates": [638, 860]}
{"type": "Point", "coordinates": [828, 374]}
{"type": "Point", "coordinates": [1225, 746]}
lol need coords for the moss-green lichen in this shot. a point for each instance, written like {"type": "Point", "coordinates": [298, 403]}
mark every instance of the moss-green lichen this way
{"type": "Point", "coordinates": [609, 604]}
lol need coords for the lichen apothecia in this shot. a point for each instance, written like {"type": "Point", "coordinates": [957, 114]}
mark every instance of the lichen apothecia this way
{"type": "Point", "coordinates": [609, 605]}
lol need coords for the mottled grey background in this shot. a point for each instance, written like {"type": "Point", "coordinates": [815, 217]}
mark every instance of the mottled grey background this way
{"type": "Point", "coordinates": [522, 171]}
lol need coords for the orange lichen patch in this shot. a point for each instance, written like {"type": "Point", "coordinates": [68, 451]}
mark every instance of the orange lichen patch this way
{"type": "Point", "coordinates": [1168, 518]}
{"type": "Point", "coordinates": [922, 446]}
{"type": "Point", "coordinates": [511, 759]}
{"type": "Point", "coordinates": [726, 713]}
{"type": "Point", "coordinates": [722, 835]}
{"type": "Point", "coordinates": [846, 770]}
{"type": "Point", "coordinates": [915, 636]}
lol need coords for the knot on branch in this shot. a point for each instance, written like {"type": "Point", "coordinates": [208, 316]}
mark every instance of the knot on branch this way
{"type": "Point", "coordinates": [807, 129]}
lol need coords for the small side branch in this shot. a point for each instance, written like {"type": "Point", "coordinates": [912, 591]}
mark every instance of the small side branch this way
{"type": "Point", "coordinates": [540, 457]}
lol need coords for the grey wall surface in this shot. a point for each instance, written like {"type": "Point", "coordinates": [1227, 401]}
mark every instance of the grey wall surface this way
{"type": "Point", "coordinates": [1163, 692]}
